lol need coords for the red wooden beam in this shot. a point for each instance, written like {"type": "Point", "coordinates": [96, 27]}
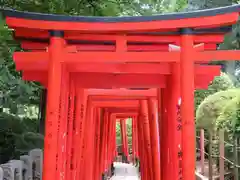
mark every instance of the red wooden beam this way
{"type": "Point", "coordinates": [95, 80]}
{"type": "Point", "coordinates": [102, 57]}
{"type": "Point", "coordinates": [228, 55]}
{"type": "Point", "coordinates": [162, 68]}
{"type": "Point", "coordinates": [122, 92]}
{"type": "Point", "coordinates": [173, 24]}
{"type": "Point", "coordinates": [103, 97]}
{"type": "Point", "coordinates": [123, 110]}
{"type": "Point", "coordinates": [206, 38]}
{"type": "Point", "coordinates": [123, 104]}
{"type": "Point", "coordinates": [139, 68]}
{"type": "Point", "coordinates": [133, 57]}
{"type": "Point", "coordinates": [124, 115]}
{"type": "Point", "coordinates": [150, 68]}
{"type": "Point", "coordinates": [150, 56]}
{"type": "Point", "coordinates": [28, 45]}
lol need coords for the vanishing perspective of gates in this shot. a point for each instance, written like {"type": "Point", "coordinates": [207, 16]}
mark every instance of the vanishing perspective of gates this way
{"type": "Point", "coordinates": [100, 70]}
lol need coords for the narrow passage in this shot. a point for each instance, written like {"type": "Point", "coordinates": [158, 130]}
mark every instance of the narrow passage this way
{"type": "Point", "coordinates": [125, 172]}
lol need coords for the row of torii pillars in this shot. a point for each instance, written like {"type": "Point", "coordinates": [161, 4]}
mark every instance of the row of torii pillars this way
{"type": "Point", "coordinates": [80, 137]}
{"type": "Point", "coordinates": [91, 140]}
{"type": "Point", "coordinates": [84, 141]}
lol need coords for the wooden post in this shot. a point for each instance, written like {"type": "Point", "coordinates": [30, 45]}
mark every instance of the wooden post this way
{"type": "Point", "coordinates": [70, 133]}
{"type": "Point", "coordinates": [187, 104]}
{"type": "Point", "coordinates": [202, 150]}
{"type": "Point", "coordinates": [133, 140]}
{"type": "Point", "coordinates": [210, 158]}
{"type": "Point", "coordinates": [136, 139]}
{"type": "Point", "coordinates": [124, 139]}
{"type": "Point", "coordinates": [222, 154]}
{"type": "Point", "coordinates": [105, 132]}
{"type": "Point", "coordinates": [155, 151]}
{"type": "Point", "coordinates": [174, 122]}
{"type": "Point", "coordinates": [56, 50]}
{"type": "Point", "coordinates": [88, 161]}
{"type": "Point", "coordinates": [63, 130]}
{"type": "Point", "coordinates": [142, 149]}
{"type": "Point", "coordinates": [102, 134]}
{"type": "Point", "coordinates": [235, 151]}
{"type": "Point", "coordinates": [81, 112]}
{"type": "Point", "coordinates": [164, 150]}
{"type": "Point", "coordinates": [147, 139]}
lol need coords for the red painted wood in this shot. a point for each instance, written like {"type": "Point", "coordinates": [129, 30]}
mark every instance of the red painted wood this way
{"type": "Point", "coordinates": [52, 114]}
{"type": "Point", "coordinates": [86, 153]}
{"type": "Point", "coordinates": [208, 21]}
{"type": "Point", "coordinates": [36, 46]}
{"type": "Point", "coordinates": [121, 92]}
{"type": "Point", "coordinates": [124, 104]}
{"type": "Point", "coordinates": [81, 103]}
{"type": "Point", "coordinates": [124, 137]}
{"type": "Point", "coordinates": [173, 88]}
{"type": "Point", "coordinates": [63, 120]}
{"type": "Point", "coordinates": [187, 108]}
{"type": "Point", "coordinates": [70, 130]}
{"type": "Point", "coordinates": [154, 138]}
{"type": "Point", "coordinates": [164, 136]}
{"type": "Point", "coordinates": [126, 57]}
{"type": "Point", "coordinates": [145, 125]}
{"type": "Point", "coordinates": [206, 38]}
{"type": "Point", "coordinates": [129, 81]}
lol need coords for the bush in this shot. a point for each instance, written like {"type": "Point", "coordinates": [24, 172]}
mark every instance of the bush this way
{"type": "Point", "coordinates": [17, 136]}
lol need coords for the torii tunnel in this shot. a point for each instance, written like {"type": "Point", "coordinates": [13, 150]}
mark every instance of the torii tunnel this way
{"type": "Point", "coordinates": [100, 70]}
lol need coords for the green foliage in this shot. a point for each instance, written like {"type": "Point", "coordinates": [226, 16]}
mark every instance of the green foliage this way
{"type": "Point", "coordinates": [229, 118]}
{"type": "Point", "coordinates": [210, 109]}
{"type": "Point", "coordinates": [17, 136]}
{"type": "Point", "coordinates": [220, 83]}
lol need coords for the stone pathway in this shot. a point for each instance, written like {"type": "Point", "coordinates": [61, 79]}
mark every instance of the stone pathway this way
{"type": "Point", "coordinates": [125, 172]}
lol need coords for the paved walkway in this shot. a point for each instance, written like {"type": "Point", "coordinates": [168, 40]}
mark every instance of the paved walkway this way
{"type": "Point", "coordinates": [125, 172]}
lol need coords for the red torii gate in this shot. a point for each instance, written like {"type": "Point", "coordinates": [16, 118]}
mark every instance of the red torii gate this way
{"type": "Point", "coordinates": [65, 54]}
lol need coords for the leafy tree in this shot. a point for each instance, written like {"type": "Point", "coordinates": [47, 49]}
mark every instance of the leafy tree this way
{"type": "Point", "coordinates": [229, 118]}
{"type": "Point", "coordinates": [220, 83]}
{"type": "Point", "coordinates": [17, 136]}
{"type": "Point", "coordinates": [211, 108]}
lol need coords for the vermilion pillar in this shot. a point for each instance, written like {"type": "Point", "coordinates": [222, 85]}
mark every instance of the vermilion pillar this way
{"type": "Point", "coordinates": [155, 151]}
{"type": "Point", "coordinates": [62, 138]}
{"type": "Point", "coordinates": [187, 104]}
{"type": "Point", "coordinates": [134, 139]}
{"type": "Point", "coordinates": [174, 127]}
{"type": "Point", "coordinates": [141, 149]}
{"type": "Point", "coordinates": [56, 50]}
{"type": "Point", "coordinates": [164, 138]}
{"type": "Point", "coordinates": [103, 124]}
{"type": "Point", "coordinates": [81, 103]}
{"type": "Point", "coordinates": [104, 141]}
{"type": "Point", "coordinates": [146, 135]}
{"type": "Point", "coordinates": [124, 139]}
{"type": "Point", "coordinates": [88, 162]}
{"type": "Point", "coordinates": [70, 134]}
{"type": "Point", "coordinates": [98, 142]}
